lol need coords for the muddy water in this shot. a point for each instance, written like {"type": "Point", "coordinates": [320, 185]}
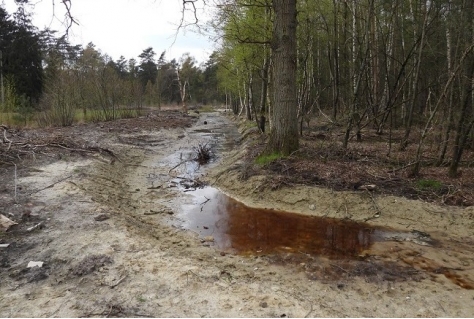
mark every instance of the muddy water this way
{"type": "Point", "coordinates": [232, 227]}
{"type": "Point", "coordinates": [236, 228]}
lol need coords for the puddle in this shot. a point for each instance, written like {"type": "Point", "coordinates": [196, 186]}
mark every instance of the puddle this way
{"type": "Point", "coordinates": [239, 229]}
{"type": "Point", "coordinates": [232, 227]}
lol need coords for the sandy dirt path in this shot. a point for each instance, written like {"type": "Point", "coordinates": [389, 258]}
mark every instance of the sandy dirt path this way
{"type": "Point", "coordinates": [112, 241]}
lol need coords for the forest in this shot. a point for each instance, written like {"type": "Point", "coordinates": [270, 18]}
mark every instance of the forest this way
{"type": "Point", "coordinates": [319, 163]}
{"type": "Point", "coordinates": [375, 65]}
{"type": "Point", "coordinates": [49, 81]}
{"type": "Point", "coordinates": [401, 68]}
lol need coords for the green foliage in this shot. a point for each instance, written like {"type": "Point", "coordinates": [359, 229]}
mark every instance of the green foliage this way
{"type": "Point", "coordinates": [8, 108]}
{"type": "Point", "coordinates": [24, 110]}
{"type": "Point", "coordinates": [147, 70]}
{"type": "Point", "coordinates": [265, 159]}
{"type": "Point", "coordinates": [247, 31]}
{"type": "Point", "coordinates": [429, 184]}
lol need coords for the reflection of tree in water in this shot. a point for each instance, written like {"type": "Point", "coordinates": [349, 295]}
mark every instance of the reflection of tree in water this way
{"type": "Point", "coordinates": [266, 231]}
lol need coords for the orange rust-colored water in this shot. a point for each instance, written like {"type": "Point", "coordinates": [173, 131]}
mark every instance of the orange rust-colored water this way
{"type": "Point", "coordinates": [237, 228]}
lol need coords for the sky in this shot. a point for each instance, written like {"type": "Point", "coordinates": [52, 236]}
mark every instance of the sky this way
{"type": "Point", "coordinates": [126, 27]}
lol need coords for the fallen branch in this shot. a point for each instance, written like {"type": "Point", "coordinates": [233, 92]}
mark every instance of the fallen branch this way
{"type": "Point", "coordinates": [39, 225]}
{"type": "Point", "coordinates": [400, 168]}
{"type": "Point", "coordinates": [155, 187]}
{"type": "Point", "coordinates": [207, 199]}
{"type": "Point", "coordinates": [204, 203]}
{"type": "Point", "coordinates": [310, 311]}
{"type": "Point", "coordinates": [151, 212]}
{"type": "Point", "coordinates": [336, 266]}
{"type": "Point", "coordinates": [183, 162]}
{"type": "Point", "coordinates": [49, 186]}
{"type": "Point", "coordinates": [92, 149]}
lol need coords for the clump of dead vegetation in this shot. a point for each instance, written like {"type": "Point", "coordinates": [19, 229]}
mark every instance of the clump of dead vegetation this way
{"type": "Point", "coordinates": [90, 264]}
{"type": "Point", "coordinates": [203, 153]}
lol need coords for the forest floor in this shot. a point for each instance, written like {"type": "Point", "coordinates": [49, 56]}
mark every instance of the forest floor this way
{"type": "Point", "coordinates": [125, 223]}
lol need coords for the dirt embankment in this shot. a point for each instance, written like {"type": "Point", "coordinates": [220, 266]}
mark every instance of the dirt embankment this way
{"type": "Point", "coordinates": [107, 229]}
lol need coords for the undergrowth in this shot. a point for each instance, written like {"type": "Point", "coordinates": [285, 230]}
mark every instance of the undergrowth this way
{"type": "Point", "coordinates": [265, 159]}
{"type": "Point", "coordinates": [429, 184]}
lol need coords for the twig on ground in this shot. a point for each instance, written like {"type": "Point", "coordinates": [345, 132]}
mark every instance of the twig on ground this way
{"type": "Point", "coordinates": [92, 149]}
{"type": "Point", "coordinates": [204, 203]}
{"type": "Point", "coordinates": [152, 212]}
{"type": "Point", "coordinates": [336, 266]}
{"type": "Point", "coordinates": [207, 199]}
{"type": "Point", "coordinates": [49, 186]}
{"type": "Point", "coordinates": [400, 168]}
{"type": "Point", "coordinates": [441, 306]}
{"type": "Point", "coordinates": [310, 311]}
{"type": "Point", "coordinates": [181, 163]}
{"type": "Point", "coordinates": [118, 282]}
{"type": "Point", "coordinates": [155, 187]}
{"type": "Point", "coordinates": [59, 308]}
{"type": "Point", "coordinates": [39, 225]}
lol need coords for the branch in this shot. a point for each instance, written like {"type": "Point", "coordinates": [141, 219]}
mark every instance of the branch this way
{"type": "Point", "coordinates": [49, 186]}
{"type": "Point", "coordinates": [69, 17]}
{"type": "Point", "coordinates": [193, 5]}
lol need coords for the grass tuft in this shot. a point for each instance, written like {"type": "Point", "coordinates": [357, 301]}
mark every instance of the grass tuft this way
{"type": "Point", "coordinates": [429, 184]}
{"type": "Point", "coordinates": [267, 158]}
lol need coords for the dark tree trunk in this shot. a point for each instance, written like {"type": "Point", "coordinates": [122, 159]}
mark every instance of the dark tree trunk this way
{"type": "Point", "coordinates": [263, 94]}
{"type": "Point", "coordinates": [284, 132]}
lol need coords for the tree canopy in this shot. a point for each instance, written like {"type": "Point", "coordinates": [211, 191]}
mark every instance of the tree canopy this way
{"type": "Point", "coordinates": [21, 54]}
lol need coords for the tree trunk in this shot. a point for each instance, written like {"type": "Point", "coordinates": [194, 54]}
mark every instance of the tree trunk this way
{"type": "Point", "coordinates": [416, 79]}
{"type": "Point", "coordinates": [263, 93]}
{"type": "Point", "coordinates": [182, 91]}
{"type": "Point", "coordinates": [336, 88]}
{"type": "Point", "coordinates": [458, 147]}
{"type": "Point", "coordinates": [284, 133]}
{"type": "Point", "coordinates": [449, 118]}
{"type": "Point", "coordinates": [466, 118]}
{"type": "Point", "coordinates": [249, 105]}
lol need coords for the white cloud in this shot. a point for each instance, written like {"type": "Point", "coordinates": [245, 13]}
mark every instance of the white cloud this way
{"type": "Point", "coordinates": [126, 27]}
